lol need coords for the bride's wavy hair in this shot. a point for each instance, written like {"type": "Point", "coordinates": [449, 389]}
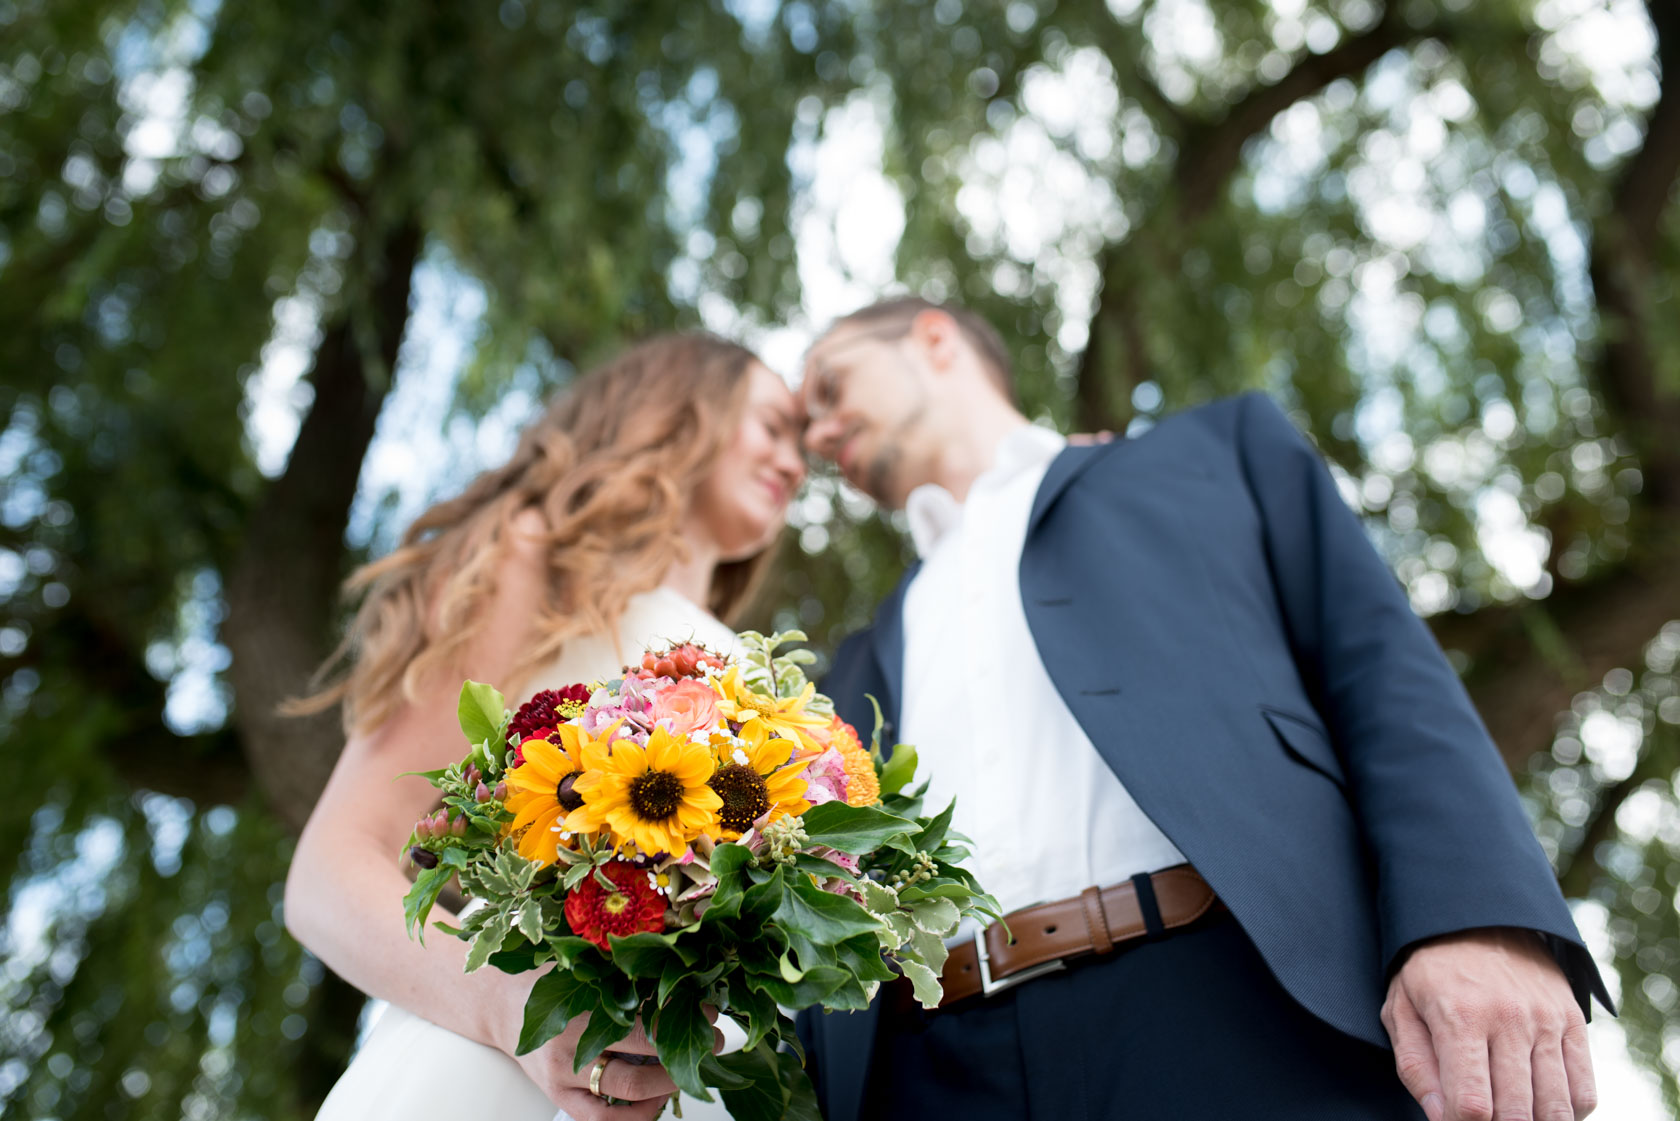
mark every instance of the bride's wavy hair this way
{"type": "Point", "coordinates": [611, 465]}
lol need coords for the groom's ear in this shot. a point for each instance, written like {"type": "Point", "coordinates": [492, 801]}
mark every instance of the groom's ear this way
{"type": "Point", "coordinates": [936, 334]}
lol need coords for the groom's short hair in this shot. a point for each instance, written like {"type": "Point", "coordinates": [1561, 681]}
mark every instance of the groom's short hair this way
{"type": "Point", "coordinates": [892, 319]}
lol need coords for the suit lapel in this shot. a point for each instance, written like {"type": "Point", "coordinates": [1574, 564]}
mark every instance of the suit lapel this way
{"type": "Point", "coordinates": [887, 641]}
{"type": "Point", "coordinates": [1063, 470]}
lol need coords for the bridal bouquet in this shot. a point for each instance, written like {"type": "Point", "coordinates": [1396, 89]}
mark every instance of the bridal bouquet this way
{"type": "Point", "coordinates": [702, 831]}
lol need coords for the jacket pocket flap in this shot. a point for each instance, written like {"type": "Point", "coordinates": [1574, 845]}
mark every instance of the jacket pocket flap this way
{"type": "Point", "coordinates": [1307, 744]}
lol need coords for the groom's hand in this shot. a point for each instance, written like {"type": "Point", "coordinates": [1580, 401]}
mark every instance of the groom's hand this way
{"type": "Point", "coordinates": [1485, 1026]}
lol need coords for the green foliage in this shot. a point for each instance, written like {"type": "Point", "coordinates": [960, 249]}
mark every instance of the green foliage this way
{"type": "Point", "coordinates": [540, 149]}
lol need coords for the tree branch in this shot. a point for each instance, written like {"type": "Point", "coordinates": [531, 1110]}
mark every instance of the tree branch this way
{"type": "Point", "coordinates": [1213, 151]}
{"type": "Point", "coordinates": [1621, 266]}
{"type": "Point", "coordinates": [1577, 875]}
{"type": "Point", "coordinates": [1519, 686]}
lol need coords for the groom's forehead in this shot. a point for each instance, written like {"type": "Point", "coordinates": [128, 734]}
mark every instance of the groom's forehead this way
{"type": "Point", "coordinates": [833, 344]}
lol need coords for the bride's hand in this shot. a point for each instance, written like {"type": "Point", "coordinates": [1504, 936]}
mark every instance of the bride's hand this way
{"type": "Point", "coordinates": [643, 1086]}
{"type": "Point", "coordinates": [636, 1081]}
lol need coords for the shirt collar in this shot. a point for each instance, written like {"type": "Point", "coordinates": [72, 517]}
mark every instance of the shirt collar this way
{"type": "Point", "coordinates": [933, 512]}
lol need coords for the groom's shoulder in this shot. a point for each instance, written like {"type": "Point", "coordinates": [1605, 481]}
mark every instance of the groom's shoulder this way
{"type": "Point", "coordinates": [1198, 439]}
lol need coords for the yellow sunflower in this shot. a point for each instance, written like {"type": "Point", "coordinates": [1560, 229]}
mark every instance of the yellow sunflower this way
{"type": "Point", "coordinates": [754, 778]}
{"type": "Point", "coordinates": [541, 791]}
{"type": "Point", "coordinates": [781, 716]}
{"type": "Point", "coordinates": [654, 797]}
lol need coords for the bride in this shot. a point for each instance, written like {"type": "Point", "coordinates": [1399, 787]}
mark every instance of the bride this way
{"type": "Point", "coordinates": [636, 511]}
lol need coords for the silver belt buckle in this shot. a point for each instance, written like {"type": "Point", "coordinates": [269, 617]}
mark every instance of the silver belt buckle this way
{"type": "Point", "coordinates": [989, 987]}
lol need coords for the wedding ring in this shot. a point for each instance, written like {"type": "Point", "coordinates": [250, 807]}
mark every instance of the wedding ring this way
{"type": "Point", "coordinates": [595, 1076]}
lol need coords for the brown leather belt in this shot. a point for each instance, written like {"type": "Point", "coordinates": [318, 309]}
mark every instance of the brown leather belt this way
{"type": "Point", "coordinates": [1048, 935]}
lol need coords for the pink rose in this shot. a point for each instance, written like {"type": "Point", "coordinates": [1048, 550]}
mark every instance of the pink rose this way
{"type": "Point", "coordinates": [686, 706]}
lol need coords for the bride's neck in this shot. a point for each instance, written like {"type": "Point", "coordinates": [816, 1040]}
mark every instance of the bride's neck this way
{"type": "Point", "coordinates": [692, 574]}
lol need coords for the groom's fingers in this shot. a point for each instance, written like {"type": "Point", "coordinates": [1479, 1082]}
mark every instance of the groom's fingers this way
{"type": "Point", "coordinates": [1577, 1060]}
{"type": "Point", "coordinates": [1511, 1072]}
{"type": "Point", "coordinates": [1414, 1052]}
{"type": "Point", "coordinates": [1461, 1050]}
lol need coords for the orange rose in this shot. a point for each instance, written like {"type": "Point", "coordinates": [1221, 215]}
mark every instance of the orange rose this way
{"type": "Point", "coordinates": [689, 705]}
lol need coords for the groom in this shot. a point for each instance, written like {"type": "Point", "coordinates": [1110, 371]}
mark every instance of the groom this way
{"type": "Point", "coordinates": [1263, 859]}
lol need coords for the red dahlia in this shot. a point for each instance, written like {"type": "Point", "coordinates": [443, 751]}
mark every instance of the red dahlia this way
{"type": "Point", "coordinates": [634, 907]}
{"type": "Point", "coordinates": [548, 710]}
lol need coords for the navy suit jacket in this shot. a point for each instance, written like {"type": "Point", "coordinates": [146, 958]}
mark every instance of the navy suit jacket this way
{"type": "Point", "coordinates": [1218, 623]}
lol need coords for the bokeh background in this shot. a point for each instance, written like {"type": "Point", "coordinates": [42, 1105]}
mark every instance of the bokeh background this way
{"type": "Point", "coordinates": [275, 275]}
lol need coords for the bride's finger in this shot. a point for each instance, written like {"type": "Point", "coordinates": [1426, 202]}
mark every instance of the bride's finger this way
{"type": "Point", "coordinates": [581, 1105]}
{"type": "Point", "coordinates": [634, 1082]}
{"type": "Point", "coordinates": [636, 1043]}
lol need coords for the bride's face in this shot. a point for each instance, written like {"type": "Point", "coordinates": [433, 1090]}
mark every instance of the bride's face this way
{"type": "Point", "coordinates": [742, 503]}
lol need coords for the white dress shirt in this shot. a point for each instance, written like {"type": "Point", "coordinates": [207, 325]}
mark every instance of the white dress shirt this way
{"type": "Point", "coordinates": [1047, 816]}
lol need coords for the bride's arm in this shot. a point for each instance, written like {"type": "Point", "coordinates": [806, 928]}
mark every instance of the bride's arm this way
{"type": "Point", "coordinates": [344, 891]}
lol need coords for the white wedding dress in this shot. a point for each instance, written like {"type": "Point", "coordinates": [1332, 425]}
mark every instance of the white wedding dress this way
{"type": "Point", "coordinates": [410, 1069]}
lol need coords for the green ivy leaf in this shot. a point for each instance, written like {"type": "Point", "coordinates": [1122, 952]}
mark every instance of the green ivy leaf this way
{"type": "Point", "coordinates": [683, 1037]}
{"type": "Point", "coordinates": [820, 867]}
{"type": "Point", "coordinates": [728, 863]}
{"type": "Point", "coordinates": [916, 893]}
{"type": "Point", "coordinates": [556, 999]}
{"type": "Point", "coordinates": [642, 955]}
{"type": "Point", "coordinates": [722, 1074]}
{"type": "Point", "coordinates": [480, 711]}
{"type": "Point", "coordinates": [758, 1007]}
{"type": "Point", "coordinates": [422, 894]}
{"type": "Point", "coordinates": [801, 1095]}
{"type": "Point", "coordinates": [818, 986]}
{"type": "Point", "coordinates": [823, 916]}
{"type": "Point", "coordinates": [936, 916]}
{"type": "Point", "coordinates": [932, 834]}
{"type": "Point", "coordinates": [853, 829]}
{"type": "Point", "coordinates": [600, 1033]}
{"type": "Point", "coordinates": [930, 949]}
{"type": "Point", "coordinates": [924, 981]}
{"type": "Point", "coordinates": [861, 956]}
{"type": "Point", "coordinates": [878, 897]}
{"type": "Point", "coordinates": [488, 940]}
{"type": "Point", "coordinates": [898, 770]}
{"type": "Point", "coordinates": [763, 900]}
{"type": "Point", "coordinates": [521, 959]}
{"type": "Point", "coordinates": [760, 1096]}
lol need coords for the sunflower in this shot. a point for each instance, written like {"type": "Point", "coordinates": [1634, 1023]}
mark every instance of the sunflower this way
{"type": "Point", "coordinates": [541, 791]}
{"type": "Point", "coordinates": [782, 716]}
{"type": "Point", "coordinates": [754, 778]}
{"type": "Point", "coordinates": [654, 797]}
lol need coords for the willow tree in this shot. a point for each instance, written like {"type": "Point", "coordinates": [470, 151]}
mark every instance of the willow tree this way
{"type": "Point", "coordinates": [1443, 233]}
{"type": "Point", "coordinates": [183, 187]}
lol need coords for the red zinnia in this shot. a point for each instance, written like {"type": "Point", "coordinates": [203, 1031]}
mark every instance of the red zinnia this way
{"type": "Point", "coordinates": [548, 710]}
{"type": "Point", "coordinates": [594, 912]}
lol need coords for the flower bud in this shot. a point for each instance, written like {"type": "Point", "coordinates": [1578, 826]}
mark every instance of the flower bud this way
{"type": "Point", "coordinates": [472, 775]}
{"type": "Point", "coordinates": [423, 828]}
{"type": "Point", "coordinates": [459, 827]}
{"type": "Point", "coordinates": [422, 857]}
{"type": "Point", "coordinates": [482, 794]}
{"type": "Point", "coordinates": [440, 823]}
{"type": "Point", "coordinates": [500, 793]}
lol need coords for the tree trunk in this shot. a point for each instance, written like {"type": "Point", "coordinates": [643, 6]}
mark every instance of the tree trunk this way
{"type": "Point", "coordinates": [283, 589]}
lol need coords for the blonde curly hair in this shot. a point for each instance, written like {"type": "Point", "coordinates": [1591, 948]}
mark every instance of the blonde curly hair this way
{"type": "Point", "coordinates": [610, 466]}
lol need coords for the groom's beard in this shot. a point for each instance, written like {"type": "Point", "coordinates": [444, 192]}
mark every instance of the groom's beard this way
{"type": "Point", "coordinates": [876, 478]}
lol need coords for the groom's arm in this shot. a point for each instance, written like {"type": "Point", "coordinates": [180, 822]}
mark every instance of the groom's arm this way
{"type": "Point", "coordinates": [1454, 853]}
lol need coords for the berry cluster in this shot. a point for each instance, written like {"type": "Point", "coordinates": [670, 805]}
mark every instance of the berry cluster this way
{"type": "Point", "coordinates": [687, 660]}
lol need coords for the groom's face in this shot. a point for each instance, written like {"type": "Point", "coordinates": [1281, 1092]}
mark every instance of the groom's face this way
{"type": "Point", "coordinates": [865, 396]}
